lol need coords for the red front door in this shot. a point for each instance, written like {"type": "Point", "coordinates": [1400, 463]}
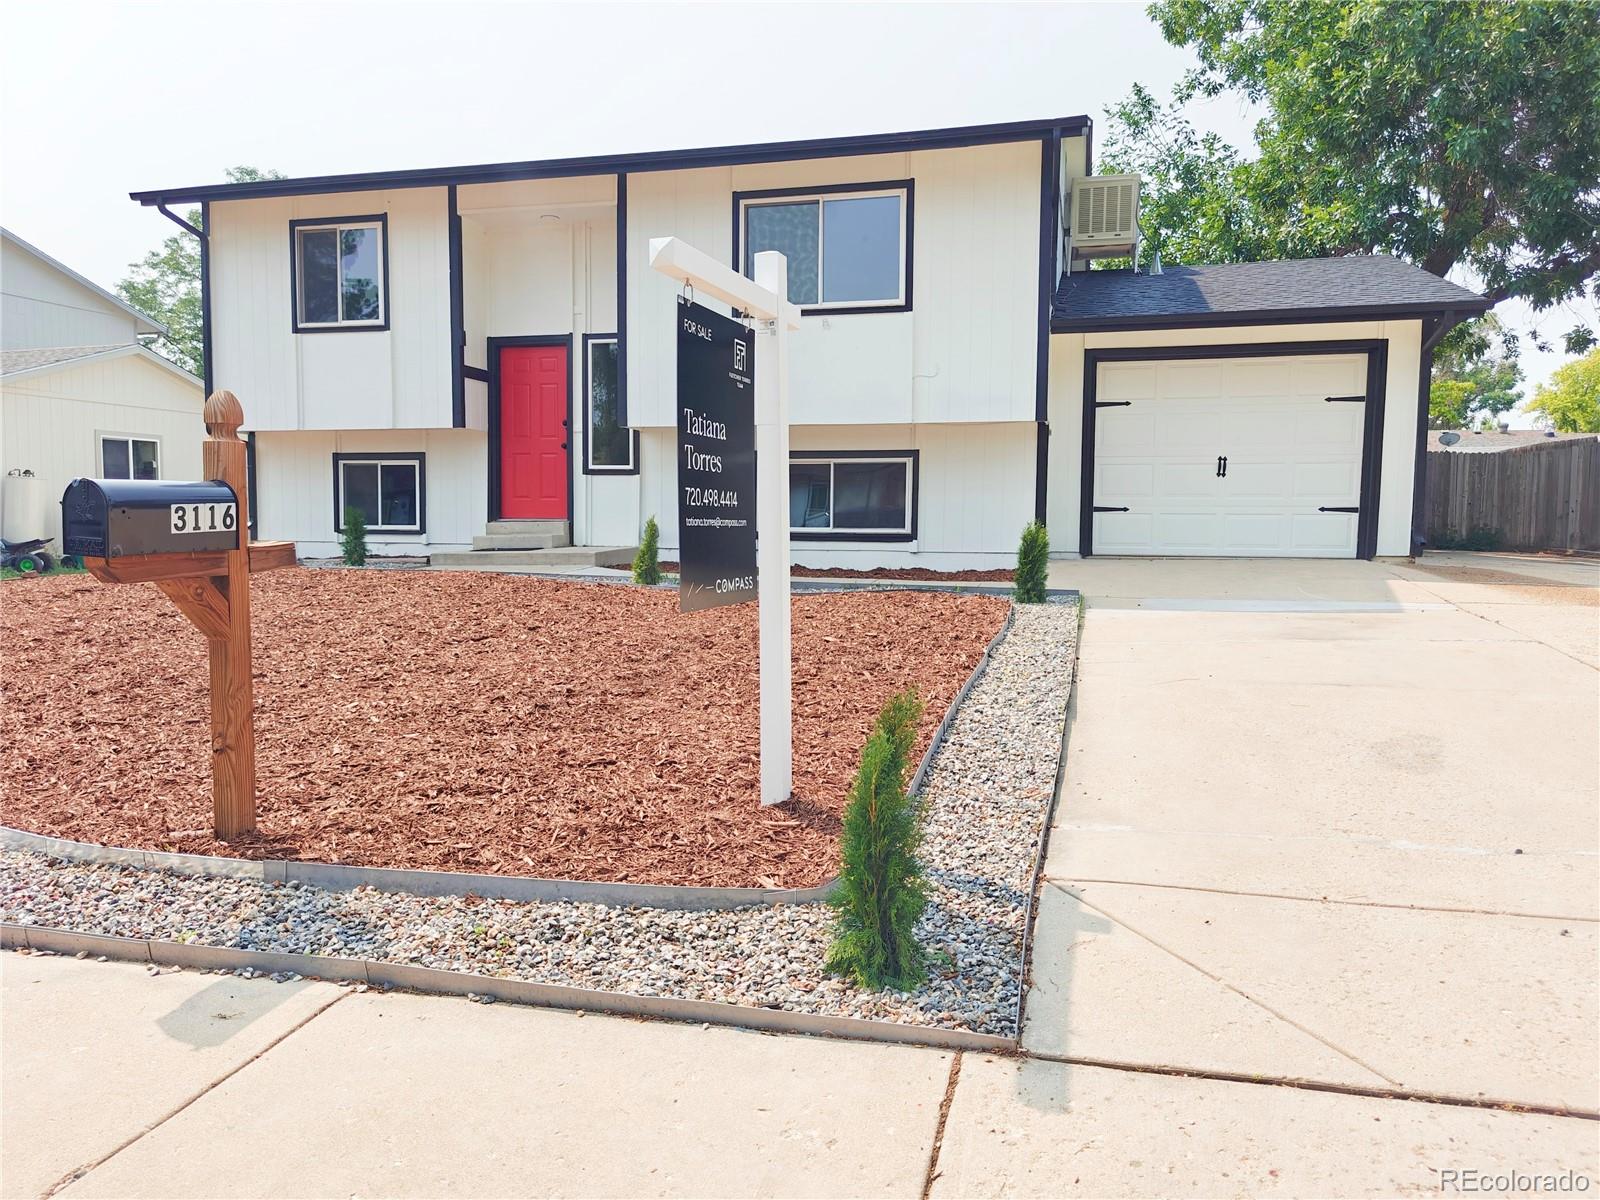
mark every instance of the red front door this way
{"type": "Point", "coordinates": [533, 432]}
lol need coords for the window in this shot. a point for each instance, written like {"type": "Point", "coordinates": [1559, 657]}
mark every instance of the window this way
{"type": "Point", "coordinates": [340, 271]}
{"type": "Point", "coordinates": [388, 489]}
{"type": "Point", "coordinates": [609, 446]}
{"type": "Point", "coordinates": [849, 249]}
{"type": "Point", "coordinates": [870, 494]}
{"type": "Point", "coordinates": [129, 458]}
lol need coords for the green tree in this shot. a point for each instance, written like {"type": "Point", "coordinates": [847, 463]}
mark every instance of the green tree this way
{"type": "Point", "coordinates": [165, 284]}
{"type": "Point", "coordinates": [353, 541]}
{"type": "Point", "coordinates": [1462, 135]}
{"type": "Point", "coordinates": [882, 891]}
{"type": "Point", "coordinates": [1475, 376]}
{"type": "Point", "coordinates": [647, 559]}
{"type": "Point", "coordinates": [1570, 402]}
{"type": "Point", "coordinates": [1029, 582]}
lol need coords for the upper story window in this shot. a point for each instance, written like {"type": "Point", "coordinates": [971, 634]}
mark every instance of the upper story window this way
{"type": "Point", "coordinates": [849, 248]}
{"type": "Point", "coordinates": [610, 447]}
{"type": "Point", "coordinates": [340, 273]}
{"type": "Point", "coordinates": [129, 458]}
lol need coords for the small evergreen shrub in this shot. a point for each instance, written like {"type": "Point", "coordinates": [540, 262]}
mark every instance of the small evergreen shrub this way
{"type": "Point", "coordinates": [1033, 565]}
{"type": "Point", "coordinates": [647, 561]}
{"type": "Point", "coordinates": [1482, 537]}
{"type": "Point", "coordinates": [353, 541]}
{"type": "Point", "coordinates": [882, 890]}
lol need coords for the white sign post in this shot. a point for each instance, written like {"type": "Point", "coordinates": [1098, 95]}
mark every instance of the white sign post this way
{"type": "Point", "coordinates": [766, 299]}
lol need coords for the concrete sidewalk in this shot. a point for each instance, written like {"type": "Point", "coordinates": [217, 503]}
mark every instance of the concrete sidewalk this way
{"type": "Point", "coordinates": [126, 1084]}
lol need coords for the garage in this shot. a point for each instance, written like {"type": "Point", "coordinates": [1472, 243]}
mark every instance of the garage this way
{"type": "Point", "coordinates": [1246, 456]}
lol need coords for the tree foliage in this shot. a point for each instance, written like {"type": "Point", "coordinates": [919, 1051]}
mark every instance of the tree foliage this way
{"type": "Point", "coordinates": [882, 891]}
{"type": "Point", "coordinates": [1033, 565]}
{"type": "Point", "coordinates": [353, 541]}
{"type": "Point", "coordinates": [1462, 135]}
{"type": "Point", "coordinates": [1570, 402]}
{"type": "Point", "coordinates": [1476, 376]}
{"type": "Point", "coordinates": [165, 285]}
{"type": "Point", "coordinates": [647, 558]}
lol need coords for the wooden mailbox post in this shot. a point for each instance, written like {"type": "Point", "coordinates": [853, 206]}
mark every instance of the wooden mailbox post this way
{"type": "Point", "coordinates": [212, 589]}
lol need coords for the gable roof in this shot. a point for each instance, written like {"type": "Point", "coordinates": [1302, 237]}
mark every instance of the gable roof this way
{"type": "Point", "coordinates": [653, 160]}
{"type": "Point", "coordinates": [145, 324]}
{"type": "Point", "coordinates": [19, 364]}
{"type": "Point", "coordinates": [1356, 287]}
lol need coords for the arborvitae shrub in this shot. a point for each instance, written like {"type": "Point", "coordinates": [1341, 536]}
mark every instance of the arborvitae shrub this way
{"type": "Point", "coordinates": [353, 540]}
{"type": "Point", "coordinates": [647, 560]}
{"type": "Point", "coordinates": [882, 890]}
{"type": "Point", "coordinates": [1033, 565]}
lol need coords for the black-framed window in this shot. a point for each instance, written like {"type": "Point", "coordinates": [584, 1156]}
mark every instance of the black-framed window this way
{"type": "Point", "coordinates": [867, 494]}
{"type": "Point", "coordinates": [849, 247]}
{"type": "Point", "coordinates": [389, 489]}
{"type": "Point", "coordinates": [609, 447]}
{"type": "Point", "coordinates": [340, 268]}
{"type": "Point", "coordinates": [129, 457]}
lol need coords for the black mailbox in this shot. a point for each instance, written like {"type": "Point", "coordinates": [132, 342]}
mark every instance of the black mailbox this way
{"type": "Point", "coordinates": [108, 518]}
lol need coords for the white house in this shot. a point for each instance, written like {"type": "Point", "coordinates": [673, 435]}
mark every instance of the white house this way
{"type": "Point", "coordinates": [482, 360]}
{"type": "Point", "coordinates": [78, 394]}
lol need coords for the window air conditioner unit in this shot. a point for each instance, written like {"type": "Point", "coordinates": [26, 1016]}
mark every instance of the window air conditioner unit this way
{"type": "Point", "coordinates": [1105, 216]}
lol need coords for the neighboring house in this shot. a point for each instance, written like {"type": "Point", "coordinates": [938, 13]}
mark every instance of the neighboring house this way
{"type": "Point", "coordinates": [1475, 441]}
{"type": "Point", "coordinates": [78, 394]}
{"type": "Point", "coordinates": [483, 356]}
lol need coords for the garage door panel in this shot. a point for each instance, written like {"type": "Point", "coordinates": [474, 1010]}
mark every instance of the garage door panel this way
{"type": "Point", "coordinates": [1289, 453]}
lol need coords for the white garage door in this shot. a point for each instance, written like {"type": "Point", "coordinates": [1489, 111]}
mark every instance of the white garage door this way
{"type": "Point", "coordinates": [1242, 456]}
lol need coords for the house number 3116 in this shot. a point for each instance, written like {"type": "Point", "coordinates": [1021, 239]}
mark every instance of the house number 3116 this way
{"type": "Point", "coordinates": [203, 518]}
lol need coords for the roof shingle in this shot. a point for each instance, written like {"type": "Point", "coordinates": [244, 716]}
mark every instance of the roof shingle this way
{"type": "Point", "coordinates": [1312, 289]}
{"type": "Point", "coordinates": [13, 361]}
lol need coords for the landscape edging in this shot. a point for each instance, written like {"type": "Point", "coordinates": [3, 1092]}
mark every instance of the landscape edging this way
{"type": "Point", "coordinates": [416, 882]}
{"type": "Point", "coordinates": [515, 991]}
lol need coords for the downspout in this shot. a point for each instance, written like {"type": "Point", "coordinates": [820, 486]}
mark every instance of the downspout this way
{"type": "Point", "coordinates": [1431, 337]}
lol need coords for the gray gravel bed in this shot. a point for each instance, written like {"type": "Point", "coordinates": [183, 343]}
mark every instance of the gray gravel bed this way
{"type": "Point", "coordinates": [987, 792]}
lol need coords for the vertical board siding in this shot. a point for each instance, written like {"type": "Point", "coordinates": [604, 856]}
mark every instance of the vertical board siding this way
{"type": "Point", "coordinates": [40, 307]}
{"type": "Point", "coordinates": [1540, 497]}
{"type": "Point", "coordinates": [396, 378]}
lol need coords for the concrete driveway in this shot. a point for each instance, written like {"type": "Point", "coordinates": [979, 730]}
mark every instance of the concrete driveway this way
{"type": "Point", "coordinates": [1332, 822]}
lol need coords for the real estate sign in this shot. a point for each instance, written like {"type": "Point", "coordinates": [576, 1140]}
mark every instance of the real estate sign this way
{"type": "Point", "coordinates": [716, 460]}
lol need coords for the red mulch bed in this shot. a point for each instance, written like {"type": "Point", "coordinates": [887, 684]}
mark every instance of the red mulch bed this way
{"type": "Point", "coordinates": [997, 575]}
{"type": "Point", "coordinates": [467, 722]}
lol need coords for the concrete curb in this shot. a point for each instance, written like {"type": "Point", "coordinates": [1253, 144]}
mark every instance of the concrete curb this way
{"type": "Point", "coordinates": [514, 991]}
{"type": "Point", "coordinates": [338, 877]}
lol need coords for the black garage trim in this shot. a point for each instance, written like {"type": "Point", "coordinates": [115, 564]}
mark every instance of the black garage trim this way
{"type": "Point", "coordinates": [1377, 352]}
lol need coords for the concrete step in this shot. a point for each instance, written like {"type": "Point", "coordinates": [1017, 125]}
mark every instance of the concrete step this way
{"type": "Point", "coordinates": [555, 556]}
{"type": "Point", "coordinates": [518, 541]}
{"type": "Point", "coordinates": [555, 528]}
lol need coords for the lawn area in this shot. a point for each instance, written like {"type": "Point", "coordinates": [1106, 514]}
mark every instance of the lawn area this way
{"type": "Point", "coordinates": [466, 721]}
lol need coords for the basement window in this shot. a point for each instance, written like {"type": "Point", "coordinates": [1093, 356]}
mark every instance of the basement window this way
{"type": "Point", "coordinates": [387, 489]}
{"type": "Point", "coordinates": [340, 270]}
{"type": "Point", "coordinates": [849, 248]}
{"type": "Point", "coordinates": [868, 495]}
{"type": "Point", "coordinates": [129, 458]}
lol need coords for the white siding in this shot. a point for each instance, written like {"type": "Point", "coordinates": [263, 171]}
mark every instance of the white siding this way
{"type": "Point", "coordinates": [975, 492]}
{"type": "Point", "coordinates": [42, 307]}
{"type": "Point", "coordinates": [965, 351]}
{"type": "Point", "coordinates": [50, 423]}
{"type": "Point", "coordinates": [1399, 427]}
{"type": "Point", "coordinates": [294, 489]}
{"type": "Point", "coordinates": [397, 378]}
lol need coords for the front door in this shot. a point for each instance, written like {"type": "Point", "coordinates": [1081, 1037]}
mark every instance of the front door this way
{"type": "Point", "coordinates": [534, 386]}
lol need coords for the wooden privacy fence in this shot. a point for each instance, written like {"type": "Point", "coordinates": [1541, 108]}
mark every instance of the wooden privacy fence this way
{"type": "Point", "coordinates": [1545, 496]}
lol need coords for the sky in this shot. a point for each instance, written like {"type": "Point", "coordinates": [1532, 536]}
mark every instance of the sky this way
{"type": "Point", "coordinates": [98, 99]}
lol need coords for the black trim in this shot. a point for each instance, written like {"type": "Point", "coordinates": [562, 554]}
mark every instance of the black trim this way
{"type": "Point", "coordinates": [622, 301]}
{"type": "Point", "coordinates": [1344, 399]}
{"type": "Point", "coordinates": [477, 374]}
{"type": "Point", "coordinates": [1338, 508]}
{"type": "Point", "coordinates": [1041, 471]}
{"type": "Point", "coordinates": [1377, 352]}
{"type": "Point", "coordinates": [1113, 403]}
{"type": "Point", "coordinates": [908, 186]}
{"type": "Point", "coordinates": [252, 482]}
{"type": "Point", "coordinates": [1432, 334]}
{"type": "Point", "coordinates": [583, 461]}
{"type": "Point", "coordinates": [1265, 316]}
{"type": "Point", "coordinates": [386, 456]}
{"type": "Point", "coordinates": [1049, 203]}
{"type": "Point", "coordinates": [382, 220]}
{"type": "Point", "coordinates": [915, 485]}
{"type": "Point", "coordinates": [208, 371]}
{"type": "Point", "coordinates": [1110, 508]}
{"type": "Point", "coordinates": [495, 345]}
{"type": "Point", "coordinates": [458, 336]}
{"type": "Point", "coordinates": [606, 164]}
